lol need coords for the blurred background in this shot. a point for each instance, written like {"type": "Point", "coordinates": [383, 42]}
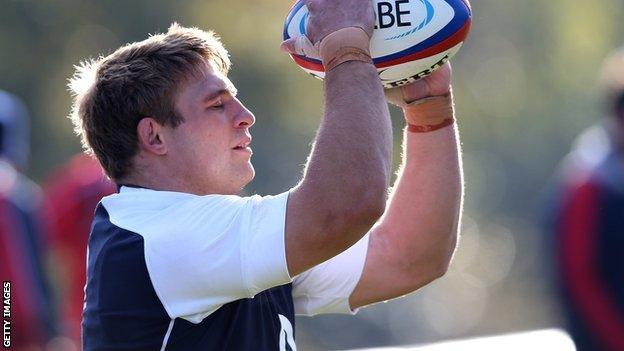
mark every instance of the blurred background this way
{"type": "Point", "coordinates": [524, 83]}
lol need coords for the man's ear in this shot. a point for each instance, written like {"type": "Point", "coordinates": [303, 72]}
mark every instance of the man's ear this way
{"type": "Point", "coordinates": [151, 136]}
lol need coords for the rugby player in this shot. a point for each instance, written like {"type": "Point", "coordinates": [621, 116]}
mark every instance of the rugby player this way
{"type": "Point", "coordinates": [178, 261]}
{"type": "Point", "coordinates": [586, 223]}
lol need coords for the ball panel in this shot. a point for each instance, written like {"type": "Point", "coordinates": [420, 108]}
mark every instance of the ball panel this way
{"type": "Point", "coordinates": [308, 63]}
{"type": "Point", "coordinates": [453, 14]}
{"type": "Point", "coordinates": [453, 40]}
{"type": "Point", "coordinates": [429, 21]}
{"type": "Point", "coordinates": [396, 75]}
{"type": "Point", "coordinates": [296, 20]}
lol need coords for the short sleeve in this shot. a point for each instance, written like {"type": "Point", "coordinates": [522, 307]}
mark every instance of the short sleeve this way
{"type": "Point", "coordinates": [263, 246]}
{"type": "Point", "coordinates": [202, 252]}
{"type": "Point", "coordinates": [326, 288]}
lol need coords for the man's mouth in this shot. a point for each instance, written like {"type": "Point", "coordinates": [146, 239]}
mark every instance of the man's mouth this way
{"type": "Point", "coordinates": [243, 144]}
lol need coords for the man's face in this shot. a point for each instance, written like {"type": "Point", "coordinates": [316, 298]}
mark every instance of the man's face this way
{"type": "Point", "coordinates": [209, 150]}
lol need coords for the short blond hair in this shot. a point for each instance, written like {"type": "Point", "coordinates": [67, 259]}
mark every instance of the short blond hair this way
{"type": "Point", "coordinates": [112, 94]}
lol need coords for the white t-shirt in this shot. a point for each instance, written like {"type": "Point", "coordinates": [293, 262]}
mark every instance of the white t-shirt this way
{"type": "Point", "coordinates": [202, 252]}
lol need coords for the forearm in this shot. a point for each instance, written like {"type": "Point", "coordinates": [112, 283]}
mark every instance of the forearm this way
{"type": "Point", "coordinates": [351, 156]}
{"type": "Point", "coordinates": [413, 242]}
{"type": "Point", "coordinates": [422, 217]}
{"type": "Point", "coordinates": [344, 186]}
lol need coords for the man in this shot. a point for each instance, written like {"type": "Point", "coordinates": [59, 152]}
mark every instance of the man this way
{"type": "Point", "coordinates": [589, 226]}
{"type": "Point", "coordinates": [71, 193]}
{"type": "Point", "coordinates": [177, 262]}
{"type": "Point", "coordinates": [22, 246]}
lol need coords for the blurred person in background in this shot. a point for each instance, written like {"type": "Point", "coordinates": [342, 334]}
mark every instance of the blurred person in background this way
{"type": "Point", "coordinates": [22, 246]}
{"type": "Point", "coordinates": [589, 224]}
{"type": "Point", "coordinates": [72, 192]}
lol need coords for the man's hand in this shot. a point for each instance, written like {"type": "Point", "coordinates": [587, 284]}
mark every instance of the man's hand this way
{"type": "Point", "coordinates": [328, 16]}
{"type": "Point", "coordinates": [437, 83]}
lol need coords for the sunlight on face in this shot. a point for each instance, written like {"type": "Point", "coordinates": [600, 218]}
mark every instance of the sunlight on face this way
{"type": "Point", "coordinates": [210, 149]}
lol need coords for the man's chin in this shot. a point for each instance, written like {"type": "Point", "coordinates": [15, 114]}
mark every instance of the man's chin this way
{"type": "Point", "coordinates": [250, 174]}
{"type": "Point", "coordinates": [251, 177]}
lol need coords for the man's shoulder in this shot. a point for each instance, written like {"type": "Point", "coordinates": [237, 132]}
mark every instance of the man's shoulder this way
{"type": "Point", "coordinates": [155, 213]}
{"type": "Point", "coordinates": [149, 212]}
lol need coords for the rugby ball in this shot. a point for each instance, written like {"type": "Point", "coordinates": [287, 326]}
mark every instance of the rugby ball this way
{"type": "Point", "coordinates": [411, 39]}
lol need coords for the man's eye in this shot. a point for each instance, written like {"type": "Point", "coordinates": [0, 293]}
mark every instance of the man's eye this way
{"type": "Point", "coordinates": [217, 106]}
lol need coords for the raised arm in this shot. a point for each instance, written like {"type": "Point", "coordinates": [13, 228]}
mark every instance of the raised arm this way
{"type": "Point", "coordinates": [343, 190]}
{"type": "Point", "coordinates": [413, 242]}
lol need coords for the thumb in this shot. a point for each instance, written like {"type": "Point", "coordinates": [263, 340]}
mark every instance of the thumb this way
{"type": "Point", "coordinates": [288, 46]}
{"type": "Point", "coordinates": [300, 45]}
{"type": "Point", "coordinates": [395, 96]}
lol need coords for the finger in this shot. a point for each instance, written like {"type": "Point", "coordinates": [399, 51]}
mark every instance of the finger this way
{"type": "Point", "coordinates": [312, 5]}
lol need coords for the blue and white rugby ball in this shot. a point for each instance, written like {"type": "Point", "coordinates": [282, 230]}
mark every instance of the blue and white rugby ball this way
{"type": "Point", "coordinates": [411, 39]}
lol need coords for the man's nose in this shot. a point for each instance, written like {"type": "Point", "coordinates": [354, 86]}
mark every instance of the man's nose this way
{"type": "Point", "coordinates": [244, 118]}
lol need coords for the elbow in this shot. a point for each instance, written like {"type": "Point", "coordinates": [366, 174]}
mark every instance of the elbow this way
{"type": "Point", "coordinates": [445, 249]}
{"type": "Point", "coordinates": [432, 264]}
{"type": "Point", "coordinates": [440, 267]}
{"type": "Point", "coordinates": [427, 272]}
{"type": "Point", "coordinates": [361, 201]}
{"type": "Point", "coordinates": [347, 209]}
{"type": "Point", "coordinates": [363, 212]}
{"type": "Point", "coordinates": [369, 204]}
{"type": "Point", "coordinates": [373, 198]}
{"type": "Point", "coordinates": [372, 192]}
{"type": "Point", "coordinates": [355, 213]}
{"type": "Point", "coordinates": [442, 257]}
